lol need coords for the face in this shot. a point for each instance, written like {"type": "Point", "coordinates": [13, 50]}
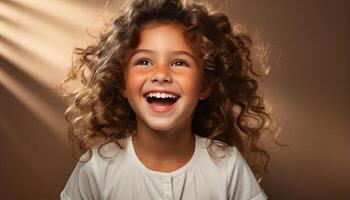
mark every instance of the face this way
{"type": "Point", "coordinates": [163, 80]}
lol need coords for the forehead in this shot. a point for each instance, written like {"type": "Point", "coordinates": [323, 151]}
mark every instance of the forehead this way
{"type": "Point", "coordinates": [165, 35]}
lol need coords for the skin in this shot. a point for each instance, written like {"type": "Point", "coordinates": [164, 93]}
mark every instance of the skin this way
{"type": "Point", "coordinates": [164, 60]}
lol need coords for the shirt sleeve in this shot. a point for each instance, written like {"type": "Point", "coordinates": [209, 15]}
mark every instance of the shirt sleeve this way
{"type": "Point", "coordinates": [242, 184]}
{"type": "Point", "coordinates": [82, 184]}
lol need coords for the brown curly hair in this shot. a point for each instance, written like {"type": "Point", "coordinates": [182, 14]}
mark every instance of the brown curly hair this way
{"type": "Point", "coordinates": [233, 114]}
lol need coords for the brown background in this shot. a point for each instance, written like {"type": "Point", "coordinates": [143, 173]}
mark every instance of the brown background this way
{"type": "Point", "coordinates": [308, 88]}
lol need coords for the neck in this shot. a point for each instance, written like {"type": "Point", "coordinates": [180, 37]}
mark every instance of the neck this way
{"type": "Point", "coordinates": [153, 145]}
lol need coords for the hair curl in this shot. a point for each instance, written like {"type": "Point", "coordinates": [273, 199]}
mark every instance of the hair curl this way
{"type": "Point", "coordinates": [233, 114]}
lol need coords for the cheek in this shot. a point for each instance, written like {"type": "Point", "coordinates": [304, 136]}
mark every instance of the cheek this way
{"type": "Point", "coordinates": [134, 81]}
{"type": "Point", "coordinates": [191, 84]}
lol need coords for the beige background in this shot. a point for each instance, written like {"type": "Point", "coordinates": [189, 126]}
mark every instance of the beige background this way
{"type": "Point", "coordinates": [308, 88]}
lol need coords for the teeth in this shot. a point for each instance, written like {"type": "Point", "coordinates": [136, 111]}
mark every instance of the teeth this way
{"type": "Point", "coordinates": [161, 95]}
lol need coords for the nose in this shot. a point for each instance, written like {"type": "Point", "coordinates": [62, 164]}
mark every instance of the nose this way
{"type": "Point", "coordinates": [161, 74]}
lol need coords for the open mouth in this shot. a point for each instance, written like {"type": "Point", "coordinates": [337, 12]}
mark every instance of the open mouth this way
{"type": "Point", "coordinates": [161, 99]}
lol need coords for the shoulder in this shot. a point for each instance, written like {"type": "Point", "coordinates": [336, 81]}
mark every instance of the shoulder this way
{"type": "Point", "coordinates": [236, 166]}
{"type": "Point", "coordinates": [223, 155]}
{"type": "Point", "coordinates": [85, 180]}
{"type": "Point", "coordinates": [240, 180]}
{"type": "Point", "coordinates": [97, 158]}
{"type": "Point", "coordinates": [242, 183]}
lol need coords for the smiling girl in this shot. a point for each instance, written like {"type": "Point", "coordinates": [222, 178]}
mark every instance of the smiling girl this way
{"type": "Point", "coordinates": [163, 109]}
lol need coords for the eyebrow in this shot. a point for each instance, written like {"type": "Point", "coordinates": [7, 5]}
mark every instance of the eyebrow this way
{"type": "Point", "coordinates": [153, 52]}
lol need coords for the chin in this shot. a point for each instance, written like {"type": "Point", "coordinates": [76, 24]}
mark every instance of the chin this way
{"type": "Point", "coordinates": [162, 126]}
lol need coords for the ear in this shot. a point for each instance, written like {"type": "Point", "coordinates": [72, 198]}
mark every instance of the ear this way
{"type": "Point", "coordinates": [123, 92]}
{"type": "Point", "coordinates": [122, 89]}
{"type": "Point", "coordinates": [206, 90]}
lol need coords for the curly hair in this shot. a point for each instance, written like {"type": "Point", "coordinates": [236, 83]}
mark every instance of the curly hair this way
{"type": "Point", "coordinates": [232, 115]}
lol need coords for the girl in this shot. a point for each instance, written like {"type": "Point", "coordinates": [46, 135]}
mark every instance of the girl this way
{"type": "Point", "coordinates": [165, 108]}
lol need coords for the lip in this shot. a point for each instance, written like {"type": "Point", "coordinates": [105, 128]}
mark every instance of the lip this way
{"type": "Point", "coordinates": [161, 109]}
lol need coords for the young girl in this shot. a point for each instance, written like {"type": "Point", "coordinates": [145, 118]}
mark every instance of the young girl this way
{"type": "Point", "coordinates": [166, 109]}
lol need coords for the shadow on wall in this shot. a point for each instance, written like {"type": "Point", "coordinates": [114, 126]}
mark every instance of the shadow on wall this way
{"type": "Point", "coordinates": [34, 159]}
{"type": "Point", "coordinates": [36, 41]}
{"type": "Point", "coordinates": [39, 14]}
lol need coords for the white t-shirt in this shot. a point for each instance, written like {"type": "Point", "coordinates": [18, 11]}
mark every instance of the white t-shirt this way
{"type": "Point", "coordinates": [124, 177]}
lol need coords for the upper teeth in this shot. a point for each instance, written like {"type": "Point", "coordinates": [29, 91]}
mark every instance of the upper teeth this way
{"type": "Point", "coordinates": [160, 95]}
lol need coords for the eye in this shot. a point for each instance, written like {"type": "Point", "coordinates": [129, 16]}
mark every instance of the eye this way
{"type": "Point", "coordinates": [143, 62]}
{"type": "Point", "coordinates": [180, 63]}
